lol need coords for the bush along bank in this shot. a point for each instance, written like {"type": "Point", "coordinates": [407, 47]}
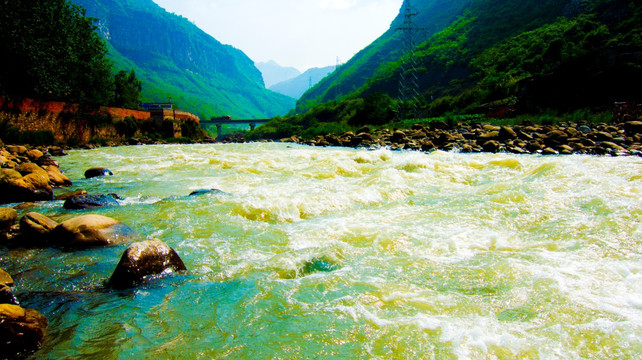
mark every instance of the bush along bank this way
{"type": "Point", "coordinates": [618, 139]}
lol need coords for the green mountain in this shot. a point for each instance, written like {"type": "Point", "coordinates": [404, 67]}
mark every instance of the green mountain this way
{"type": "Point", "coordinates": [472, 53]}
{"type": "Point", "coordinates": [177, 60]}
{"type": "Point", "coordinates": [299, 85]}
{"type": "Point", "coordinates": [433, 16]}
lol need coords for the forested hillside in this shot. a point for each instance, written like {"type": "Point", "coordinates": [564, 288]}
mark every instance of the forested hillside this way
{"type": "Point", "coordinates": [433, 16]}
{"type": "Point", "coordinates": [177, 60]}
{"type": "Point", "coordinates": [534, 54]}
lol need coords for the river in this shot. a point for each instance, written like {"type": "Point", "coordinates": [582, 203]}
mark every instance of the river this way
{"type": "Point", "coordinates": [336, 253]}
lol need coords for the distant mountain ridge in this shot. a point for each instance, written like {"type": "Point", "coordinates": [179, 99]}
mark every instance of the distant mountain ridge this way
{"type": "Point", "coordinates": [296, 87]}
{"type": "Point", "coordinates": [274, 73]}
{"type": "Point", "coordinates": [175, 59]}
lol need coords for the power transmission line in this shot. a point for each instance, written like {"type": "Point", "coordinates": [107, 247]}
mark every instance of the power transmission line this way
{"type": "Point", "coordinates": [408, 79]}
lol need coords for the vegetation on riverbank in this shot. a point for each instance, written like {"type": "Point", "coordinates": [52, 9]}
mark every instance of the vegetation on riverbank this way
{"type": "Point", "coordinates": [532, 55]}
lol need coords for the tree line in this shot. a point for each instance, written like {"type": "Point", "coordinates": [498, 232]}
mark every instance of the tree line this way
{"type": "Point", "coordinates": [52, 51]}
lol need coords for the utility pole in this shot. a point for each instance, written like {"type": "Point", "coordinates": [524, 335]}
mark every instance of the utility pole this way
{"type": "Point", "coordinates": [338, 88]}
{"type": "Point", "coordinates": [408, 79]}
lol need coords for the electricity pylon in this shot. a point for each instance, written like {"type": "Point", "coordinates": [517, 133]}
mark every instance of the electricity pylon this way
{"type": "Point", "coordinates": [408, 79]}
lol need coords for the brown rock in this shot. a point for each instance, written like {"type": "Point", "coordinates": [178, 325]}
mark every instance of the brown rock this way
{"type": "Point", "coordinates": [506, 133]}
{"type": "Point", "coordinates": [491, 146]}
{"type": "Point", "coordinates": [144, 259]}
{"type": "Point", "coordinates": [91, 231]}
{"type": "Point", "coordinates": [37, 226]}
{"type": "Point", "coordinates": [16, 150]}
{"type": "Point", "coordinates": [29, 168]}
{"type": "Point", "coordinates": [6, 283]}
{"type": "Point", "coordinates": [399, 137]}
{"type": "Point", "coordinates": [566, 149]}
{"type": "Point", "coordinates": [491, 128]}
{"type": "Point", "coordinates": [550, 151]}
{"type": "Point", "coordinates": [34, 186]}
{"type": "Point", "coordinates": [22, 331]}
{"type": "Point", "coordinates": [492, 135]}
{"type": "Point", "coordinates": [556, 137]}
{"type": "Point", "coordinates": [633, 127]}
{"type": "Point", "coordinates": [612, 146]}
{"type": "Point", "coordinates": [34, 154]}
{"type": "Point", "coordinates": [71, 194]}
{"type": "Point", "coordinates": [602, 136]}
{"type": "Point", "coordinates": [8, 217]}
{"type": "Point", "coordinates": [56, 177]}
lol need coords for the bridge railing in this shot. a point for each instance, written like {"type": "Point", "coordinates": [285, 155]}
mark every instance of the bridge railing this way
{"type": "Point", "coordinates": [226, 120]}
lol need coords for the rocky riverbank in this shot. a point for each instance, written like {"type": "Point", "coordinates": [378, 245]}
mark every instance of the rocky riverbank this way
{"type": "Point", "coordinates": [619, 139]}
{"type": "Point", "coordinates": [29, 175]}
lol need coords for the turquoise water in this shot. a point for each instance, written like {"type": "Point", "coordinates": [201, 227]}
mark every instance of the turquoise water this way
{"type": "Point", "coordinates": [350, 254]}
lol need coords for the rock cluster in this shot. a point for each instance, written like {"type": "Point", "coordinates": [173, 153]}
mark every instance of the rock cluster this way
{"type": "Point", "coordinates": [29, 174]}
{"type": "Point", "coordinates": [566, 138]}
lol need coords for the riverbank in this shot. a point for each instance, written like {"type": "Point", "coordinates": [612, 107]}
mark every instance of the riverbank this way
{"type": "Point", "coordinates": [618, 139]}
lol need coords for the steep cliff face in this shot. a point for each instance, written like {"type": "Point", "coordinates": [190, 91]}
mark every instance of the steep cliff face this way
{"type": "Point", "coordinates": [176, 59]}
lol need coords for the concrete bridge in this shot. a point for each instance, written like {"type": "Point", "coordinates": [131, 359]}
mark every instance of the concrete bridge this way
{"type": "Point", "coordinates": [224, 120]}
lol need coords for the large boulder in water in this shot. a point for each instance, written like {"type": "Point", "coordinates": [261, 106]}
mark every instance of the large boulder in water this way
{"type": "Point", "coordinates": [85, 201]}
{"type": "Point", "coordinates": [144, 259]}
{"type": "Point", "coordinates": [97, 172]}
{"type": "Point", "coordinates": [36, 228]}
{"type": "Point", "coordinates": [91, 231]}
{"type": "Point", "coordinates": [6, 294]}
{"type": "Point", "coordinates": [22, 331]}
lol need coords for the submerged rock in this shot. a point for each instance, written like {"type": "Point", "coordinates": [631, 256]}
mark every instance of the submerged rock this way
{"type": "Point", "coordinates": [91, 231]}
{"type": "Point", "coordinates": [70, 194]}
{"type": "Point", "coordinates": [144, 259]}
{"type": "Point", "coordinates": [22, 331]}
{"type": "Point", "coordinates": [97, 172]}
{"type": "Point", "coordinates": [85, 201]}
{"type": "Point", "coordinates": [207, 191]}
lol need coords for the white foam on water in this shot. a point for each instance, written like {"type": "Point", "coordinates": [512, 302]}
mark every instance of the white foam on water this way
{"type": "Point", "coordinates": [483, 256]}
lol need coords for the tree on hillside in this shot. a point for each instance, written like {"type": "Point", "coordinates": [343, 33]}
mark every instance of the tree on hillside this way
{"type": "Point", "coordinates": [51, 51]}
{"type": "Point", "coordinates": [127, 89]}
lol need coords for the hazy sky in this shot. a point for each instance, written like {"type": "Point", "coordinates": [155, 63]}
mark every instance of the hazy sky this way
{"type": "Point", "coordinates": [298, 33]}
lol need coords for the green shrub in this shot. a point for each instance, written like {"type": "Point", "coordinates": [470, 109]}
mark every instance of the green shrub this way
{"type": "Point", "coordinates": [39, 137]}
{"type": "Point", "coordinates": [127, 127]}
{"type": "Point", "coordinates": [98, 141]}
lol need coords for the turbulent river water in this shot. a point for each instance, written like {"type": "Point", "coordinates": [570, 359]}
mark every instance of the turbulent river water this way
{"type": "Point", "coordinates": [350, 254]}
